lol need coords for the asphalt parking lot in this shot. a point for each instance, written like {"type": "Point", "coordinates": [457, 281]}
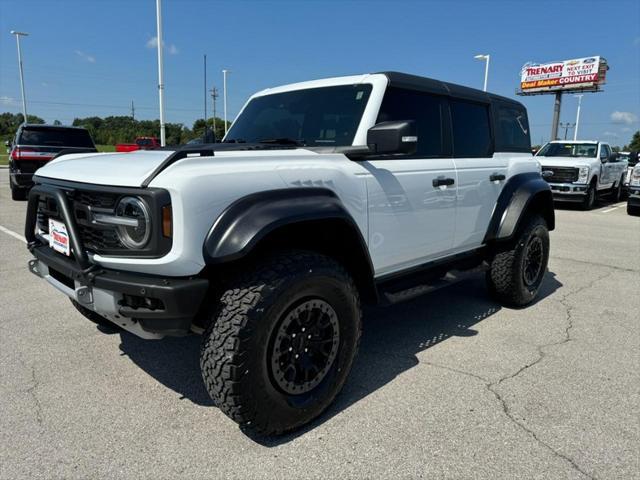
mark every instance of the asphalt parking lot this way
{"type": "Point", "coordinates": [447, 386]}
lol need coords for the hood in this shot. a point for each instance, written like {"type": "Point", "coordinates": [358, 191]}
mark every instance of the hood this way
{"type": "Point", "coordinates": [131, 169]}
{"type": "Point", "coordinates": [122, 169]}
{"type": "Point", "coordinates": [565, 161]}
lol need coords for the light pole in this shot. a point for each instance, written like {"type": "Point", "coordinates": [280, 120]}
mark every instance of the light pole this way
{"type": "Point", "coordinates": [575, 132]}
{"type": "Point", "coordinates": [160, 70]}
{"type": "Point", "coordinates": [486, 58]}
{"type": "Point", "coordinates": [224, 97]}
{"type": "Point", "coordinates": [24, 100]}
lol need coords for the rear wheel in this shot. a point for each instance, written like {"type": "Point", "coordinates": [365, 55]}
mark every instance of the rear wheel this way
{"type": "Point", "coordinates": [281, 345]}
{"type": "Point", "coordinates": [616, 195]}
{"type": "Point", "coordinates": [17, 193]}
{"type": "Point", "coordinates": [516, 271]}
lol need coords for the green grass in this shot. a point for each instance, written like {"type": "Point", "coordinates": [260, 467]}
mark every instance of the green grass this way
{"type": "Point", "coordinates": [4, 157]}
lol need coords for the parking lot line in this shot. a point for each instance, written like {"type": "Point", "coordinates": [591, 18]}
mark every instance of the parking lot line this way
{"type": "Point", "coordinates": [614, 207]}
{"type": "Point", "coordinates": [12, 233]}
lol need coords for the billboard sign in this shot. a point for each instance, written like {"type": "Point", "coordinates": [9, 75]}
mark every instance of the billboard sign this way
{"type": "Point", "coordinates": [580, 74]}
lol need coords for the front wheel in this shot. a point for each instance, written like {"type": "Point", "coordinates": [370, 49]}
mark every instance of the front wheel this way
{"type": "Point", "coordinates": [633, 210]}
{"type": "Point", "coordinates": [281, 344]}
{"type": "Point", "coordinates": [516, 271]}
{"type": "Point", "coordinates": [590, 198]}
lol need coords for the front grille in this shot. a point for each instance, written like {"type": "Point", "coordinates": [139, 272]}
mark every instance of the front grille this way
{"type": "Point", "coordinates": [95, 238]}
{"type": "Point", "coordinates": [561, 174]}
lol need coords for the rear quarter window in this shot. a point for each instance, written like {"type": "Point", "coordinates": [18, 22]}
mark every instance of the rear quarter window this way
{"type": "Point", "coordinates": [55, 137]}
{"type": "Point", "coordinates": [512, 129]}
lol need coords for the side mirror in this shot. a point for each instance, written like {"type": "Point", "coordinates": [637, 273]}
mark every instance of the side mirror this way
{"type": "Point", "coordinates": [398, 136]}
{"type": "Point", "coordinates": [613, 157]}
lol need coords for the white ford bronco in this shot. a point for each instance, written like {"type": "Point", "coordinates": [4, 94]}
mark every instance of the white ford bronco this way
{"type": "Point", "coordinates": [579, 171]}
{"type": "Point", "coordinates": [324, 194]}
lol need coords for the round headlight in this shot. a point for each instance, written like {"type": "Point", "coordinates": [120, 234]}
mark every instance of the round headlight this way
{"type": "Point", "coordinates": [136, 234]}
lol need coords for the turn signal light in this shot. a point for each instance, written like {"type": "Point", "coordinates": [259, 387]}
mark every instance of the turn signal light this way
{"type": "Point", "coordinates": [167, 226]}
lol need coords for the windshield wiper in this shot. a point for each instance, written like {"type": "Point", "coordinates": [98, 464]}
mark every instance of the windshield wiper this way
{"type": "Point", "coordinates": [283, 141]}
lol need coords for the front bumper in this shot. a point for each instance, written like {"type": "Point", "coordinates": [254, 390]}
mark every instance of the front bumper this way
{"type": "Point", "coordinates": [568, 192]}
{"type": "Point", "coordinates": [149, 306]}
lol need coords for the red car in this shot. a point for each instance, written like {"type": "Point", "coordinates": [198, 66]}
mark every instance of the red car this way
{"type": "Point", "coordinates": [141, 143]}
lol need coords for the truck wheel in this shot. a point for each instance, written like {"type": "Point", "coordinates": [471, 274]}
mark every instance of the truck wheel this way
{"type": "Point", "coordinates": [590, 198]}
{"type": "Point", "coordinates": [517, 271]}
{"type": "Point", "coordinates": [281, 344]}
{"type": "Point", "coordinates": [94, 317]}
{"type": "Point", "coordinates": [616, 195]}
{"type": "Point", "coordinates": [17, 193]}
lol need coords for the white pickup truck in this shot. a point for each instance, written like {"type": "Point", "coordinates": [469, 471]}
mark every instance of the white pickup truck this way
{"type": "Point", "coordinates": [579, 171]}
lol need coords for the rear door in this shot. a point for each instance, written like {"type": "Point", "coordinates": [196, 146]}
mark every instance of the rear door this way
{"type": "Point", "coordinates": [481, 173]}
{"type": "Point", "coordinates": [412, 198]}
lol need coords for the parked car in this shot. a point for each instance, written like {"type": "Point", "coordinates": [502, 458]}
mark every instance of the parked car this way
{"type": "Point", "coordinates": [35, 145]}
{"type": "Point", "coordinates": [141, 143]}
{"type": "Point", "coordinates": [325, 194]}
{"type": "Point", "coordinates": [633, 201]}
{"type": "Point", "coordinates": [579, 171]}
{"type": "Point", "coordinates": [632, 161]}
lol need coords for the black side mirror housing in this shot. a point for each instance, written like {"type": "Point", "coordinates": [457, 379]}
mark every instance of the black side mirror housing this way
{"type": "Point", "coordinates": [613, 157]}
{"type": "Point", "coordinates": [399, 137]}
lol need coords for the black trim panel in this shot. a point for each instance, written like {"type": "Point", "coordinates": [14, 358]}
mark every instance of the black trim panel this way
{"type": "Point", "coordinates": [514, 199]}
{"type": "Point", "coordinates": [246, 221]}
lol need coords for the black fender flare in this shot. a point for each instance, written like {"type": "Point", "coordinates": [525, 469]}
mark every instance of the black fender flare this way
{"type": "Point", "coordinates": [520, 192]}
{"type": "Point", "coordinates": [241, 226]}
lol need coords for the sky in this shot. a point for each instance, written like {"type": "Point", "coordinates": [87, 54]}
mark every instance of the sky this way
{"type": "Point", "coordinates": [94, 57]}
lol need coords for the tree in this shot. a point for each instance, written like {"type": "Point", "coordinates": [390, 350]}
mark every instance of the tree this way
{"type": "Point", "coordinates": [57, 122]}
{"type": "Point", "coordinates": [634, 146]}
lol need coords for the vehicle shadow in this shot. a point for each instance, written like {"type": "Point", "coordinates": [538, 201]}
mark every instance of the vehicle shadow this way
{"type": "Point", "coordinates": [392, 337]}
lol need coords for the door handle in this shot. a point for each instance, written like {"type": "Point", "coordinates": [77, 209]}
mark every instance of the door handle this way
{"type": "Point", "coordinates": [442, 181]}
{"type": "Point", "coordinates": [496, 177]}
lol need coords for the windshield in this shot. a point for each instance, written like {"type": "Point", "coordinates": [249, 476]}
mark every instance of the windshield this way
{"type": "Point", "coordinates": [327, 116]}
{"type": "Point", "coordinates": [60, 137]}
{"type": "Point", "coordinates": [568, 150]}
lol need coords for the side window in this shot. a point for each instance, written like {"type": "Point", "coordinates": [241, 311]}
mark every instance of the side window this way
{"type": "Point", "coordinates": [425, 109]}
{"type": "Point", "coordinates": [512, 132]}
{"type": "Point", "coordinates": [471, 129]}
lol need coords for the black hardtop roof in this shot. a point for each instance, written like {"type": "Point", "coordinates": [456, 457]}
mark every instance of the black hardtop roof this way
{"type": "Point", "coordinates": [48, 125]}
{"type": "Point", "coordinates": [415, 82]}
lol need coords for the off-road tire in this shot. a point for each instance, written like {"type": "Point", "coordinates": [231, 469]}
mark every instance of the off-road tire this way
{"type": "Point", "coordinates": [506, 275]}
{"type": "Point", "coordinates": [236, 346]}
{"type": "Point", "coordinates": [590, 198]}
{"type": "Point", "coordinates": [94, 317]}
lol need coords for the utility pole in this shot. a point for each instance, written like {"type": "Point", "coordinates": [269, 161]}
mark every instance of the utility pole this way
{"type": "Point", "coordinates": [160, 71]}
{"type": "Point", "coordinates": [24, 100]}
{"type": "Point", "coordinates": [224, 97]}
{"type": "Point", "coordinates": [205, 89]}
{"type": "Point", "coordinates": [575, 132]}
{"type": "Point", "coordinates": [486, 58]}
{"type": "Point", "coordinates": [566, 127]}
{"type": "Point", "coordinates": [214, 97]}
{"type": "Point", "coordinates": [133, 111]}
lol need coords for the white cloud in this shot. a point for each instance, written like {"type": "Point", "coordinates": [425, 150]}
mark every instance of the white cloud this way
{"type": "Point", "coordinates": [624, 117]}
{"type": "Point", "coordinates": [153, 43]}
{"type": "Point", "coordinates": [86, 56]}
{"type": "Point", "coordinates": [610, 134]}
{"type": "Point", "coordinates": [8, 101]}
{"type": "Point", "coordinates": [627, 129]}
